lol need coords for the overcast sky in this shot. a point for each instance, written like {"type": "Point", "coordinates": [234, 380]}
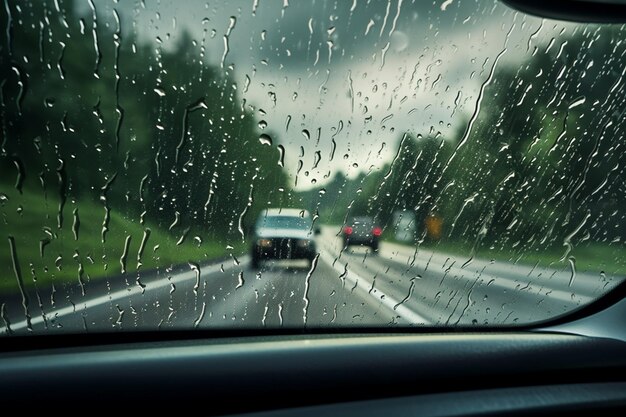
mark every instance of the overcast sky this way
{"type": "Point", "coordinates": [360, 72]}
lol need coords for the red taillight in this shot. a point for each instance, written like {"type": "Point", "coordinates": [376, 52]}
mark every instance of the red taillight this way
{"type": "Point", "coordinates": [347, 230]}
{"type": "Point", "coordinates": [377, 231]}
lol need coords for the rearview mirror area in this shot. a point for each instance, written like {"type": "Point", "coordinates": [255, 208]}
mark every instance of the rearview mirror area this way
{"type": "Point", "coordinates": [588, 11]}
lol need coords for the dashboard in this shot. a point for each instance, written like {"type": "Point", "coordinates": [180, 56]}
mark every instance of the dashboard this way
{"type": "Point", "coordinates": [342, 374]}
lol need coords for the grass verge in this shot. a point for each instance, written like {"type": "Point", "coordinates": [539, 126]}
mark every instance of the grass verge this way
{"type": "Point", "coordinates": [31, 220]}
{"type": "Point", "coordinates": [591, 257]}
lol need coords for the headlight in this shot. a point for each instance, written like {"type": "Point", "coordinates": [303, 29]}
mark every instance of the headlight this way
{"type": "Point", "coordinates": [304, 243]}
{"type": "Point", "coordinates": [265, 243]}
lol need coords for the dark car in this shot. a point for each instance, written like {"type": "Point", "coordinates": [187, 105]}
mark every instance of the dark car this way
{"type": "Point", "coordinates": [362, 231]}
{"type": "Point", "coordinates": [283, 234]}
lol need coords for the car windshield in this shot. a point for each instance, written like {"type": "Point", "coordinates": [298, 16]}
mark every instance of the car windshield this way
{"type": "Point", "coordinates": [141, 141]}
{"type": "Point", "coordinates": [285, 222]}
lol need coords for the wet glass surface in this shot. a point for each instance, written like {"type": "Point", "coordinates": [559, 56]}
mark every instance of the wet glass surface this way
{"type": "Point", "coordinates": [143, 141]}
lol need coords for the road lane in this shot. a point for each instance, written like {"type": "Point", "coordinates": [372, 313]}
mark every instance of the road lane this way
{"type": "Point", "coordinates": [227, 296]}
{"type": "Point", "coordinates": [446, 289]}
{"type": "Point", "coordinates": [400, 285]}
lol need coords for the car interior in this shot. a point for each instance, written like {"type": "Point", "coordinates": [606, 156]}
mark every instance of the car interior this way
{"type": "Point", "coordinates": [570, 361]}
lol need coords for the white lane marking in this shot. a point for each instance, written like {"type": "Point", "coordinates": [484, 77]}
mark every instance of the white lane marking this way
{"type": "Point", "coordinates": [126, 292]}
{"type": "Point", "coordinates": [586, 284]}
{"type": "Point", "coordinates": [351, 277]}
{"type": "Point", "coordinates": [534, 287]}
{"type": "Point", "coordinates": [457, 274]}
{"type": "Point", "coordinates": [365, 284]}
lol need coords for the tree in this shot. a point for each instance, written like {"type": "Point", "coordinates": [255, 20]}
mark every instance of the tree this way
{"type": "Point", "coordinates": [155, 134]}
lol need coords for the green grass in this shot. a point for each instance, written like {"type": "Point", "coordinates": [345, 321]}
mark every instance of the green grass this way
{"type": "Point", "coordinates": [26, 216]}
{"type": "Point", "coordinates": [592, 257]}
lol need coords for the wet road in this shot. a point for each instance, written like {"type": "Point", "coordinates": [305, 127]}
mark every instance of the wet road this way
{"type": "Point", "coordinates": [399, 286]}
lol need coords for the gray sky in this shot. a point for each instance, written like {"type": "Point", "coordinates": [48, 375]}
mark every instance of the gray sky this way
{"type": "Point", "coordinates": [374, 68]}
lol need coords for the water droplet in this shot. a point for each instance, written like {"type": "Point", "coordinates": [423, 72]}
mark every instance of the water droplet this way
{"type": "Point", "coordinates": [176, 220]}
{"type": "Point", "coordinates": [231, 26]}
{"type": "Point", "coordinates": [307, 283]}
{"type": "Point", "coordinates": [265, 139]}
{"type": "Point", "coordinates": [62, 177]}
{"type": "Point", "coordinates": [572, 265]}
{"type": "Point", "coordinates": [142, 246]}
{"type": "Point", "coordinates": [408, 296]}
{"type": "Point", "coordinates": [577, 102]}
{"type": "Point", "coordinates": [75, 224]}
{"type": "Point", "coordinates": [196, 269]}
{"type": "Point", "coordinates": [124, 256]}
{"type": "Point", "coordinates": [288, 120]}
{"type": "Point", "coordinates": [21, 173]}
{"type": "Point", "coordinates": [183, 236]}
{"type": "Point", "coordinates": [198, 104]}
{"type": "Point", "coordinates": [280, 314]}
{"type": "Point", "coordinates": [281, 155]}
{"type": "Point", "coordinates": [196, 323]}
{"type": "Point", "coordinates": [240, 280]}
{"type": "Point", "coordinates": [20, 282]}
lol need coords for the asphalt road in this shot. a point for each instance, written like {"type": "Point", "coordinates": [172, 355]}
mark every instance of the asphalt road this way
{"type": "Point", "coordinates": [398, 287]}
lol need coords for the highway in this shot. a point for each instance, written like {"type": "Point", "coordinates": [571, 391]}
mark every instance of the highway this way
{"type": "Point", "coordinates": [400, 286]}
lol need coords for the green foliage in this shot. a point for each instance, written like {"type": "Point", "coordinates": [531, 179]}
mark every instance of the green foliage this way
{"type": "Point", "coordinates": [125, 133]}
{"type": "Point", "coordinates": [544, 141]}
{"type": "Point", "coordinates": [48, 255]}
{"type": "Point", "coordinates": [539, 167]}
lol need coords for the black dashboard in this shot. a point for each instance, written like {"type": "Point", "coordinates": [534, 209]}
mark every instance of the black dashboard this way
{"type": "Point", "coordinates": [396, 374]}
